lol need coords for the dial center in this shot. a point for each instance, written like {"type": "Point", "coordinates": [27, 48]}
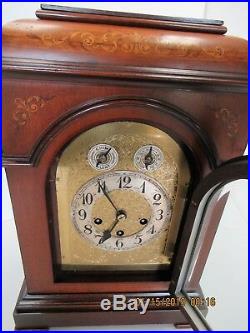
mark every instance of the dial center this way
{"type": "Point", "coordinates": [149, 160]}
{"type": "Point", "coordinates": [135, 208]}
{"type": "Point", "coordinates": [121, 215]}
{"type": "Point", "coordinates": [102, 158]}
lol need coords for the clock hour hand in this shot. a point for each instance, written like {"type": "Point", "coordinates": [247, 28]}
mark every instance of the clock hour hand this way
{"type": "Point", "coordinates": [108, 197]}
{"type": "Point", "coordinates": [107, 233]}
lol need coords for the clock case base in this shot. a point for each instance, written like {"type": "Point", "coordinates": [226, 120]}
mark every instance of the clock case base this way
{"type": "Point", "coordinates": [41, 311]}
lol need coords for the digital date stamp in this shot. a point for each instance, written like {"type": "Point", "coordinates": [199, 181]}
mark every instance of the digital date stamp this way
{"type": "Point", "coordinates": [173, 301]}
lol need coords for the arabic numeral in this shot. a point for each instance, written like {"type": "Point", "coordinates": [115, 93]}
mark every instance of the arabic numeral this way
{"type": "Point", "coordinates": [138, 239]}
{"type": "Point", "coordinates": [160, 214]}
{"type": "Point", "coordinates": [82, 214]}
{"type": "Point", "coordinates": [157, 198]}
{"type": "Point", "coordinates": [87, 199]}
{"type": "Point", "coordinates": [143, 187]}
{"type": "Point", "coordinates": [88, 229]}
{"type": "Point", "coordinates": [119, 244]}
{"type": "Point", "coordinates": [124, 182]}
{"type": "Point", "coordinates": [151, 230]}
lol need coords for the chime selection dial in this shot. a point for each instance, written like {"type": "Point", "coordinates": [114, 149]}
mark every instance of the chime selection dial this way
{"type": "Point", "coordinates": [102, 157]}
{"type": "Point", "coordinates": [121, 210]}
{"type": "Point", "coordinates": [148, 158]}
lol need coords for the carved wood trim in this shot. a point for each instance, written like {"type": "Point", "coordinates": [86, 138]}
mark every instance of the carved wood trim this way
{"type": "Point", "coordinates": [135, 22]}
{"type": "Point", "coordinates": [129, 19]}
{"type": "Point", "coordinates": [123, 72]}
{"type": "Point", "coordinates": [83, 301]}
{"type": "Point", "coordinates": [44, 311]}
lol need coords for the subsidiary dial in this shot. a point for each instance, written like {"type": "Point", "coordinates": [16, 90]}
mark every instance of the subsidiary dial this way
{"type": "Point", "coordinates": [102, 157]}
{"type": "Point", "coordinates": [148, 158]}
{"type": "Point", "coordinates": [121, 210]}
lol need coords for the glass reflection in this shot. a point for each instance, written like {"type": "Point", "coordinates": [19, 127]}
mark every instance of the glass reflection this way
{"type": "Point", "coordinates": [216, 283]}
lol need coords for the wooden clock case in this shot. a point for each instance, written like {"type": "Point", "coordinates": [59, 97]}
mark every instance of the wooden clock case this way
{"type": "Point", "coordinates": [70, 70]}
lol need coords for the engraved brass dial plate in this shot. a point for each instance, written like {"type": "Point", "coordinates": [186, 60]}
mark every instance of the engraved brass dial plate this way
{"type": "Point", "coordinates": [75, 176]}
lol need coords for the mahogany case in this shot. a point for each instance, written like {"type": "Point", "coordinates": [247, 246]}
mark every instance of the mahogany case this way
{"type": "Point", "coordinates": [70, 70]}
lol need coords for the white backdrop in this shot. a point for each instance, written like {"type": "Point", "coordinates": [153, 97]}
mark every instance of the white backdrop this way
{"type": "Point", "coordinates": [235, 16]}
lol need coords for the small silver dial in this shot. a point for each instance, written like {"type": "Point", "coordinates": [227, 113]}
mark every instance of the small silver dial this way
{"type": "Point", "coordinates": [102, 157]}
{"type": "Point", "coordinates": [148, 158]}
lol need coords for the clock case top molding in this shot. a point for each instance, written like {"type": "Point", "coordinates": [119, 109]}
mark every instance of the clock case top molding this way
{"type": "Point", "coordinates": [73, 69]}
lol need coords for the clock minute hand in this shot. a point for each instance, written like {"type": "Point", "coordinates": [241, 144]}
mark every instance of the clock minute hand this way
{"type": "Point", "coordinates": [108, 197]}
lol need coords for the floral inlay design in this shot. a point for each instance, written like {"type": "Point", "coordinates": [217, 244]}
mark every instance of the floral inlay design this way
{"type": "Point", "coordinates": [130, 43]}
{"type": "Point", "coordinates": [230, 121]}
{"type": "Point", "coordinates": [25, 108]}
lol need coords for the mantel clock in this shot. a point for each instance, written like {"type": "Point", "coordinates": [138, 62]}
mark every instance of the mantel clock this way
{"type": "Point", "coordinates": [116, 127]}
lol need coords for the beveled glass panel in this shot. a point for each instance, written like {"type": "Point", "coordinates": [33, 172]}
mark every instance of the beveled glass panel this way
{"type": "Point", "coordinates": [217, 287]}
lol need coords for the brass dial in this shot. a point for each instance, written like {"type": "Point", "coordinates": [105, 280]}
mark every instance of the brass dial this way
{"type": "Point", "coordinates": [75, 175]}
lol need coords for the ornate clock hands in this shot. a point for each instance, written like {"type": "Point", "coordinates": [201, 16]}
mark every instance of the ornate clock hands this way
{"type": "Point", "coordinates": [120, 214]}
{"type": "Point", "coordinates": [108, 197]}
{"type": "Point", "coordinates": [102, 158]}
{"type": "Point", "coordinates": [149, 159]}
{"type": "Point", "coordinates": [107, 233]}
